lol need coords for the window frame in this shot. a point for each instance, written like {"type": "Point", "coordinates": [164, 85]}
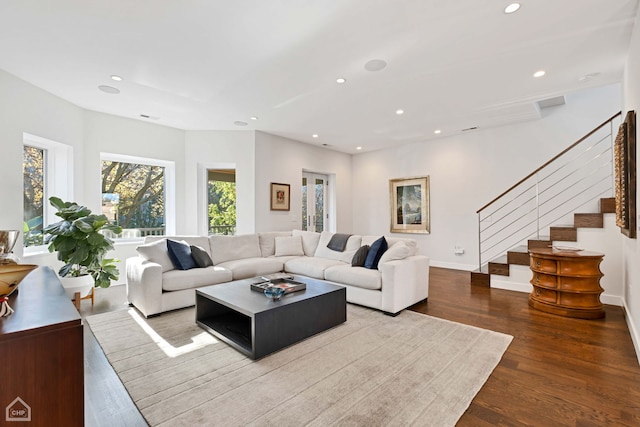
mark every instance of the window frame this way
{"type": "Point", "coordinates": [169, 187]}
{"type": "Point", "coordinates": [58, 178]}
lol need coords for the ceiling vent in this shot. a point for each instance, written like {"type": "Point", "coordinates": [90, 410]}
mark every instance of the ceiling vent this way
{"type": "Point", "coordinates": [552, 102]}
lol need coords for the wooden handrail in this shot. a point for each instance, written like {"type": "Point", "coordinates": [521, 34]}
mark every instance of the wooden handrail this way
{"type": "Point", "coordinates": [550, 161]}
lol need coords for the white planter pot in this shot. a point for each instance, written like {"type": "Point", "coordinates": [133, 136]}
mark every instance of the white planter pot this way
{"type": "Point", "coordinates": [82, 284]}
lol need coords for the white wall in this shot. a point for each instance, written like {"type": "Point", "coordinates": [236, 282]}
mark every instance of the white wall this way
{"type": "Point", "coordinates": [467, 171]}
{"type": "Point", "coordinates": [25, 108]}
{"type": "Point", "coordinates": [631, 247]}
{"type": "Point", "coordinates": [219, 149]}
{"type": "Point", "coordinates": [283, 160]}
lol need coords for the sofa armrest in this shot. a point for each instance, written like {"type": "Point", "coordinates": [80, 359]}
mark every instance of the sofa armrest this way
{"type": "Point", "coordinates": [144, 285]}
{"type": "Point", "coordinates": [404, 282]}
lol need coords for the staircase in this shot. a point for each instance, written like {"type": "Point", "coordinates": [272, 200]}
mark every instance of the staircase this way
{"type": "Point", "coordinates": [519, 255]}
{"type": "Point", "coordinates": [579, 179]}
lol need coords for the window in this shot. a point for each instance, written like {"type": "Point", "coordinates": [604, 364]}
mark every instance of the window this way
{"type": "Point", "coordinates": [33, 179]}
{"type": "Point", "coordinates": [221, 201]}
{"type": "Point", "coordinates": [135, 195]}
{"type": "Point", "coordinates": [46, 171]}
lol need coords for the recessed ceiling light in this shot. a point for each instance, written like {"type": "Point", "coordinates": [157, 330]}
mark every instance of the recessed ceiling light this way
{"type": "Point", "coordinates": [512, 8]}
{"type": "Point", "coordinates": [116, 78]}
{"type": "Point", "coordinates": [109, 89]}
{"type": "Point", "coordinates": [399, 112]}
{"type": "Point", "coordinates": [341, 80]}
{"type": "Point", "coordinates": [437, 131]}
{"type": "Point", "coordinates": [315, 135]}
{"type": "Point", "coordinates": [358, 148]}
{"type": "Point", "coordinates": [240, 123]}
{"type": "Point", "coordinates": [254, 118]}
{"type": "Point", "coordinates": [539, 73]}
{"type": "Point", "coordinates": [375, 65]}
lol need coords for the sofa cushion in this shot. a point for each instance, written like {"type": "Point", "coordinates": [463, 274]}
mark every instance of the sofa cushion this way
{"type": "Point", "coordinates": [268, 241]}
{"type": "Point", "coordinates": [395, 252]}
{"type": "Point", "coordinates": [354, 276]}
{"type": "Point", "coordinates": [289, 246]}
{"type": "Point", "coordinates": [310, 241]}
{"type": "Point", "coordinates": [201, 257]}
{"type": "Point", "coordinates": [180, 254]}
{"type": "Point", "coordinates": [411, 243]}
{"type": "Point", "coordinates": [375, 252]}
{"type": "Point", "coordinates": [360, 256]}
{"type": "Point", "coordinates": [322, 251]}
{"type": "Point", "coordinates": [202, 241]}
{"type": "Point", "coordinates": [310, 266]}
{"type": "Point", "coordinates": [157, 252]}
{"type": "Point", "coordinates": [230, 248]}
{"type": "Point", "coordinates": [176, 280]}
{"type": "Point", "coordinates": [252, 267]}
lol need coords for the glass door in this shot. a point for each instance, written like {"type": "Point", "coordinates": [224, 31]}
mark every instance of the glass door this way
{"type": "Point", "coordinates": [314, 202]}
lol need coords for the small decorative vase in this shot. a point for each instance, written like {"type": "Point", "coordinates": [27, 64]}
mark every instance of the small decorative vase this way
{"type": "Point", "coordinates": [10, 277]}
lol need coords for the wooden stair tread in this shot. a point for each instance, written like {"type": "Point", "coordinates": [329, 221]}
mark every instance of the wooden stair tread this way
{"type": "Point", "coordinates": [588, 220]}
{"type": "Point", "coordinates": [608, 205]}
{"type": "Point", "coordinates": [564, 233]}
{"type": "Point", "coordinates": [499, 266]}
{"type": "Point", "coordinates": [518, 255]}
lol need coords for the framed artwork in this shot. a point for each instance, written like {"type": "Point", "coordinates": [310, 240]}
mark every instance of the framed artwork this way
{"type": "Point", "coordinates": [280, 197]}
{"type": "Point", "coordinates": [409, 205]}
{"type": "Point", "coordinates": [624, 150]}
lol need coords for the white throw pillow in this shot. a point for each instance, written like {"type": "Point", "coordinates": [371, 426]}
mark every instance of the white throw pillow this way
{"type": "Point", "coordinates": [310, 241]}
{"type": "Point", "coordinates": [157, 252]}
{"type": "Point", "coordinates": [289, 246]}
{"type": "Point", "coordinates": [397, 251]}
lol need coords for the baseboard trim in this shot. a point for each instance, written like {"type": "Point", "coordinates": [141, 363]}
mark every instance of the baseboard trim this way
{"type": "Point", "coordinates": [510, 286]}
{"type": "Point", "coordinates": [453, 265]}
{"type": "Point", "coordinates": [635, 338]}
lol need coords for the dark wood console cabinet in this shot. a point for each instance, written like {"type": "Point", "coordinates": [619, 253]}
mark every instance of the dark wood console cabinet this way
{"type": "Point", "coordinates": [566, 282]}
{"type": "Point", "coordinates": [41, 356]}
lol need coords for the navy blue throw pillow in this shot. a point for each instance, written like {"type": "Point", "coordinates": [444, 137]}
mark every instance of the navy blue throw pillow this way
{"type": "Point", "coordinates": [375, 252]}
{"type": "Point", "coordinates": [180, 254]}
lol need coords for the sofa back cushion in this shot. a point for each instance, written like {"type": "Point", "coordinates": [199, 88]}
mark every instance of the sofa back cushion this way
{"type": "Point", "coordinates": [310, 241]}
{"type": "Point", "coordinates": [156, 251]}
{"type": "Point", "coordinates": [268, 242]}
{"type": "Point", "coordinates": [231, 248]}
{"type": "Point", "coordinates": [322, 251]}
{"type": "Point", "coordinates": [411, 243]}
{"type": "Point", "coordinates": [201, 241]}
{"type": "Point", "coordinates": [289, 246]}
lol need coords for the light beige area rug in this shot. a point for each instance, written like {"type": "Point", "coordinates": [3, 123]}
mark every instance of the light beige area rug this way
{"type": "Point", "coordinates": [373, 370]}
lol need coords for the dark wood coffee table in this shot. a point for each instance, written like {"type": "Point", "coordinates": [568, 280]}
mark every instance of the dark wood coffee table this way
{"type": "Point", "coordinates": [256, 326]}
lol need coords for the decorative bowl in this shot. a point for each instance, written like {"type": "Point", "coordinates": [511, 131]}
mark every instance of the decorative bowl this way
{"type": "Point", "coordinates": [10, 277]}
{"type": "Point", "coordinates": [274, 293]}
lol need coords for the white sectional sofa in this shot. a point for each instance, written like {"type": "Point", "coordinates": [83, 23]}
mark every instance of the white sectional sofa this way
{"type": "Point", "coordinates": [400, 280]}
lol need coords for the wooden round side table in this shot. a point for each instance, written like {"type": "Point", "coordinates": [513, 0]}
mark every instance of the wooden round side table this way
{"type": "Point", "coordinates": [566, 282]}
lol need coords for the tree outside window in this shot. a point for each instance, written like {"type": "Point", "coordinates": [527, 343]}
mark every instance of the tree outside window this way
{"type": "Point", "coordinates": [133, 197]}
{"type": "Point", "coordinates": [33, 178]}
{"type": "Point", "coordinates": [221, 203]}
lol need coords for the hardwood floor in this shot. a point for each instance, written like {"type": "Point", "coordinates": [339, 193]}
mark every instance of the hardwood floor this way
{"type": "Point", "coordinates": [556, 372]}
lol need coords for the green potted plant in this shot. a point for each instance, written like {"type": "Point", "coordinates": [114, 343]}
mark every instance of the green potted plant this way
{"type": "Point", "coordinates": [81, 246]}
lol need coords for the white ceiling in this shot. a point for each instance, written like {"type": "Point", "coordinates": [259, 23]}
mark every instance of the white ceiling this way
{"type": "Point", "coordinates": [205, 64]}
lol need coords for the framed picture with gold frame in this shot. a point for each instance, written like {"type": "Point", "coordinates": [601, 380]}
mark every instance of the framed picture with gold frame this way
{"type": "Point", "coordinates": [409, 199]}
{"type": "Point", "coordinates": [625, 175]}
{"type": "Point", "coordinates": [280, 194]}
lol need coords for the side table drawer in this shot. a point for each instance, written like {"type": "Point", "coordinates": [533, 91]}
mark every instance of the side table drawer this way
{"type": "Point", "coordinates": [544, 265]}
{"type": "Point", "coordinates": [544, 294]}
{"type": "Point", "coordinates": [544, 280]}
